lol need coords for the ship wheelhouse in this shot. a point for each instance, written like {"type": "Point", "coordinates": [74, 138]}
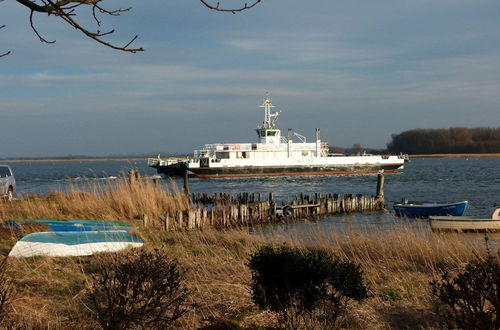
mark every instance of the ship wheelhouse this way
{"type": "Point", "coordinates": [269, 135]}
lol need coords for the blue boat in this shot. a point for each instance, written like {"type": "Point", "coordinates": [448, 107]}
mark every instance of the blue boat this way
{"type": "Point", "coordinates": [67, 225]}
{"type": "Point", "coordinates": [73, 243]}
{"type": "Point", "coordinates": [413, 209]}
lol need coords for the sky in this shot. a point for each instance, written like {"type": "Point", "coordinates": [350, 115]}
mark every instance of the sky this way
{"type": "Point", "coordinates": [359, 70]}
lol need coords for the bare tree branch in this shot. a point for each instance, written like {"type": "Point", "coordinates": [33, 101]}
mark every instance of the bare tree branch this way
{"type": "Point", "coordinates": [234, 11]}
{"type": "Point", "coordinates": [36, 31]}
{"type": "Point", "coordinates": [67, 10]}
{"type": "Point", "coordinates": [6, 53]}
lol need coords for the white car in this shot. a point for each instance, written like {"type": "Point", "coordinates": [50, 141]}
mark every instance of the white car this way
{"type": "Point", "coordinates": [7, 183]}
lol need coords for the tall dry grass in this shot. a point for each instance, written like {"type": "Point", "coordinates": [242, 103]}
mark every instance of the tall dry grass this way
{"type": "Point", "coordinates": [398, 265]}
{"type": "Point", "coordinates": [398, 262]}
{"type": "Point", "coordinates": [118, 200]}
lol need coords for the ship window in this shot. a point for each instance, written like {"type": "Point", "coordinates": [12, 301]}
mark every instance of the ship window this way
{"type": "Point", "coordinates": [222, 155]}
{"type": "Point", "coordinates": [244, 154]}
{"type": "Point", "coordinates": [271, 133]}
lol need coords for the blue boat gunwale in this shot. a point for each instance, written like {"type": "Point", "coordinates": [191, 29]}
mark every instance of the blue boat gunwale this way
{"type": "Point", "coordinates": [428, 204]}
{"type": "Point", "coordinates": [68, 221]}
{"type": "Point", "coordinates": [459, 218]}
{"type": "Point", "coordinates": [69, 225]}
{"type": "Point", "coordinates": [77, 238]}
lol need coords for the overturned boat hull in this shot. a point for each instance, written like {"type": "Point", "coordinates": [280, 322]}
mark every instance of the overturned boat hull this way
{"type": "Point", "coordinates": [67, 244]}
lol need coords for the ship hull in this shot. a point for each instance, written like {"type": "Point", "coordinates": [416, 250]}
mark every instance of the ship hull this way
{"type": "Point", "coordinates": [255, 171]}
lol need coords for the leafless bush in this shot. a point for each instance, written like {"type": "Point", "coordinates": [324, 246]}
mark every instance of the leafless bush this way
{"type": "Point", "coordinates": [472, 296]}
{"type": "Point", "coordinates": [137, 288]}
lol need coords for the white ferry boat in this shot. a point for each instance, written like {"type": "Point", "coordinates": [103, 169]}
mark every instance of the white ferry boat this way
{"type": "Point", "coordinates": [275, 155]}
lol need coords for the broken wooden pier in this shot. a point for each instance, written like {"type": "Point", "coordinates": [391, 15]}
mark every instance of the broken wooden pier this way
{"type": "Point", "coordinates": [223, 210]}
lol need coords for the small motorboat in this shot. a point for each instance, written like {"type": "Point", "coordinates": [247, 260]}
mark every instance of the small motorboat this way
{"type": "Point", "coordinates": [461, 223]}
{"type": "Point", "coordinates": [412, 209]}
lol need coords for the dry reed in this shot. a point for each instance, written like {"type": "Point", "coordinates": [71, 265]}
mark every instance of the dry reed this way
{"type": "Point", "coordinates": [117, 200]}
{"type": "Point", "coordinates": [398, 262]}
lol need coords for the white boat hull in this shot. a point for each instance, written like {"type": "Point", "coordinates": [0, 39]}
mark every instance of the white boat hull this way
{"type": "Point", "coordinates": [32, 249]}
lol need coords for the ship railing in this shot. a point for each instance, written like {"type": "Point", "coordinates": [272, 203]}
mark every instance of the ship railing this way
{"type": "Point", "coordinates": [212, 146]}
{"type": "Point", "coordinates": [153, 161]}
{"type": "Point", "coordinates": [163, 162]}
{"type": "Point", "coordinates": [203, 153]}
{"type": "Point", "coordinates": [301, 137]}
{"type": "Point", "coordinates": [228, 147]}
{"type": "Point", "coordinates": [404, 156]}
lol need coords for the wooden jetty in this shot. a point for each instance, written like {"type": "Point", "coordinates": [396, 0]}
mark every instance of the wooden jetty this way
{"type": "Point", "coordinates": [224, 210]}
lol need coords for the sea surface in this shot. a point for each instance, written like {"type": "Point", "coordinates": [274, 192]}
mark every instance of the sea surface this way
{"type": "Point", "coordinates": [476, 180]}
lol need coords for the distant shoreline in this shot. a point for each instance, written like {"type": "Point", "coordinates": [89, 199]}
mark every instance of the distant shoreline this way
{"type": "Point", "coordinates": [489, 155]}
{"type": "Point", "coordinates": [73, 159]}
{"type": "Point", "coordinates": [130, 159]}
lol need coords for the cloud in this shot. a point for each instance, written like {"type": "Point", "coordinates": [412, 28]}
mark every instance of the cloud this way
{"type": "Point", "coordinates": [362, 70]}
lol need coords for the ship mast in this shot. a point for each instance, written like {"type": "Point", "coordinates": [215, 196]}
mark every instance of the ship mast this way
{"type": "Point", "coordinates": [269, 117]}
{"type": "Point", "coordinates": [267, 132]}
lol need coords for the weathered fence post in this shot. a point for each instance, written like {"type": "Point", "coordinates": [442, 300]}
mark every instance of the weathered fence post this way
{"type": "Point", "coordinates": [186, 183]}
{"type": "Point", "coordinates": [380, 185]}
{"type": "Point", "coordinates": [380, 190]}
{"type": "Point", "coordinates": [133, 176]}
{"type": "Point", "coordinates": [166, 221]}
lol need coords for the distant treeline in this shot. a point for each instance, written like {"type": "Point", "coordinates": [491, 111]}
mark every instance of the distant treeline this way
{"type": "Point", "coordinates": [452, 140]}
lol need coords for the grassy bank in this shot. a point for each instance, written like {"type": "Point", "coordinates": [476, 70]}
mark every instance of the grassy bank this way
{"type": "Point", "coordinates": [398, 263]}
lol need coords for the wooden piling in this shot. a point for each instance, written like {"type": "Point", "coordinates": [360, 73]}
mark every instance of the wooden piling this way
{"type": "Point", "coordinates": [380, 185]}
{"type": "Point", "coordinates": [380, 191]}
{"type": "Point", "coordinates": [166, 222]}
{"type": "Point", "coordinates": [133, 176]}
{"type": "Point", "coordinates": [186, 183]}
{"type": "Point", "coordinates": [243, 208]}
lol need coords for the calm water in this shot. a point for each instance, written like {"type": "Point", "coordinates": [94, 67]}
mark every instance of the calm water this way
{"type": "Point", "coordinates": [440, 179]}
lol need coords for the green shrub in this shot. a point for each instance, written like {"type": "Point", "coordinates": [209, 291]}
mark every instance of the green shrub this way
{"type": "Point", "coordinates": [137, 288]}
{"type": "Point", "coordinates": [472, 296]}
{"type": "Point", "coordinates": [304, 286]}
{"type": "Point", "coordinates": [394, 295]}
